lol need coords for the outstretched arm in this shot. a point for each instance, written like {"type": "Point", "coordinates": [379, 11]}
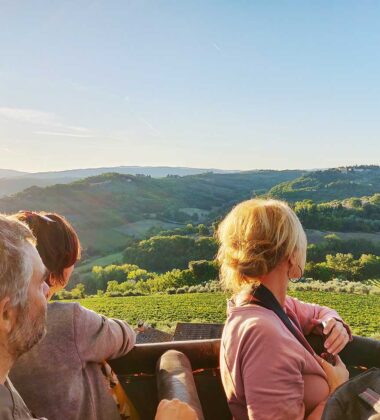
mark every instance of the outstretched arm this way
{"type": "Point", "coordinates": [99, 338]}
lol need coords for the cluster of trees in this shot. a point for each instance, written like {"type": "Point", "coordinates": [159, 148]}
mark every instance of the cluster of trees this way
{"type": "Point", "coordinates": [345, 266]}
{"type": "Point", "coordinates": [330, 184]}
{"type": "Point", "coordinates": [78, 292]}
{"type": "Point", "coordinates": [201, 276]}
{"type": "Point", "coordinates": [211, 286]}
{"type": "Point", "coordinates": [337, 286]}
{"type": "Point", "coordinates": [338, 273]}
{"type": "Point", "coordinates": [164, 253]}
{"type": "Point", "coordinates": [177, 278]}
{"type": "Point", "coordinates": [333, 244]}
{"type": "Point", "coordinates": [164, 262]}
{"type": "Point", "coordinates": [118, 273]}
{"type": "Point", "coordinates": [332, 286]}
{"type": "Point", "coordinates": [188, 229]}
{"type": "Point", "coordinates": [181, 259]}
{"type": "Point", "coordinates": [350, 215]}
{"type": "Point", "coordinates": [197, 272]}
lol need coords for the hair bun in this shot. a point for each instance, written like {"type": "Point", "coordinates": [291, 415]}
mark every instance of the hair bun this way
{"type": "Point", "coordinates": [254, 237]}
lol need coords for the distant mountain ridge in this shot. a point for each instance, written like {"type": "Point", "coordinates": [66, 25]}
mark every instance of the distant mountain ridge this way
{"type": "Point", "coordinates": [12, 182]}
{"type": "Point", "coordinates": [154, 171]}
{"type": "Point", "coordinates": [11, 173]}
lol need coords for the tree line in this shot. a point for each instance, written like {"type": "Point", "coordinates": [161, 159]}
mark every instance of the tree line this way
{"type": "Point", "coordinates": [350, 215]}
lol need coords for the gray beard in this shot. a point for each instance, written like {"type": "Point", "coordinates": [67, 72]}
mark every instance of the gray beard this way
{"type": "Point", "coordinates": [27, 332]}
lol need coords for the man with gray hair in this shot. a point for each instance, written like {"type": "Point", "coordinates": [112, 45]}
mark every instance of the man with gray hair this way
{"type": "Point", "coordinates": [23, 294]}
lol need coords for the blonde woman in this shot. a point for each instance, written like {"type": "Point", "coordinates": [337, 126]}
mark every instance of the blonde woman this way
{"type": "Point", "coordinates": [269, 371]}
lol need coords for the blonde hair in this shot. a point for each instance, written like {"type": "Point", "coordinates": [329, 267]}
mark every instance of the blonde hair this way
{"type": "Point", "coordinates": [254, 238]}
{"type": "Point", "coordinates": [16, 266]}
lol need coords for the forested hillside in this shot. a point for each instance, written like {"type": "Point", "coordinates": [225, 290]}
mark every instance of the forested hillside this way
{"type": "Point", "coordinates": [12, 182]}
{"type": "Point", "coordinates": [109, 208]}
{"type": "Point", "coordinates": [356, 214]}
{"type": "Point", "coordinates": [144, 235]}
{"type": "Point", "coordinates": [332, 184]}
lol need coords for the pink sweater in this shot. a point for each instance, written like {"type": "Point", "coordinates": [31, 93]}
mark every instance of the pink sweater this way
{"type": "Point", "coordinates": [267, 374]}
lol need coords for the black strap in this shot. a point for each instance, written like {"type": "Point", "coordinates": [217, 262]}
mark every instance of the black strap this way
{"type": "Point", "coordinates": [265, 298]}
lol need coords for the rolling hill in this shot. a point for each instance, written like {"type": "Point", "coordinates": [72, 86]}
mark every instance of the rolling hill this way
{"type": "Point", "coordinates": [103, 207]}
{"type": "Point", "coordinates": [331, 184]}
{"type": "Point", "coordinates": [10, 173]}
{"type": "Point", "coordinates": [12, 182]}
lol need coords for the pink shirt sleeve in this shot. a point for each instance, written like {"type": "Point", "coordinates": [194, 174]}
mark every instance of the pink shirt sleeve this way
{"type": "Point", "coordinates": [272, 380]}
{"type": "Point", "coordinates": [310, 314]}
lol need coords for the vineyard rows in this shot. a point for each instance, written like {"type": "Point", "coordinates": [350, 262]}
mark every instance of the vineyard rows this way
{"type": "Point", "coordinates": [361, 312]}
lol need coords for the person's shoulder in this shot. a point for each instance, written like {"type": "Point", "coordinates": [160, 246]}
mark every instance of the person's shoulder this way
{"type": "Point", "coordinates": [62, 308]}
{"type": "Point", "coordinates": [247, 331]}
{"type": "Point", "coordinates": [62, 313]}
{"type": "Point", "coordinates": [59, 305]}
{"type": "Point", "coordinates": [292, 302]}
{"type": "Point", "coordinates": [266, 323]}
{"type": "Point", "coordinates": [71, 318]}
{"type": "Point", "coordinates": [252, 320]}
{"type": "Point", "coordinates": [72, 310]}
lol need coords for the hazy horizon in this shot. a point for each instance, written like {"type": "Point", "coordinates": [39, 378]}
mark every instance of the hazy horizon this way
{"type": "Point", "coordinates": [68, 168]}
{"type": "Point", "coordinates": [226, 85]}
{"type": "Point", "coordinates": [150, 166]}
{"type": "Point", "coordinates": [181, 167]}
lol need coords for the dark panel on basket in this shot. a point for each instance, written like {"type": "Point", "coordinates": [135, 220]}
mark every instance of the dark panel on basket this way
{"type": "Point", "coordinates": [143, 357]}
{"type": "Point", "coordinates": [212, 396]}
{"type": "Point", "coordinates": [142, 391]}
{"type": "Point", "coordinates": [197, 331]}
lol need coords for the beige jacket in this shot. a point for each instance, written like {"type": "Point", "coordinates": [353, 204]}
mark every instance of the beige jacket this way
{"type": "Point", "coordinates": [60, 378]}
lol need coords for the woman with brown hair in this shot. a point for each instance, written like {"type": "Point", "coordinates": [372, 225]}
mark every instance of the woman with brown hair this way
{"type": "Point", "coordinates": [61, 377]}
{"type": "Point", "coordinates": [269, 371]}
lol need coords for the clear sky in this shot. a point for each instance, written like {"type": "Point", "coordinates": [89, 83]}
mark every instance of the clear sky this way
{"type": "Point", "coordinates": [225, 84]}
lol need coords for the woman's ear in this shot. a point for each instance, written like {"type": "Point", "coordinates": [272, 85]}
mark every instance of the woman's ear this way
{"type": "Point", "coordinates": [67, 274]}
{"type": "Point", "coordinates": [54, 285]}
{"type": "Point", "coordinates": [293, 270]}
{"type": "Point", "coordinates": [293, 260]}
{"type": "Point", "coordinates": [51, 280]}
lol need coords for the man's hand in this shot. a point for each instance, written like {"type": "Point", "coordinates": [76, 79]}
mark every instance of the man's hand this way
{"type": "Point", "coordinates": [175, 410]}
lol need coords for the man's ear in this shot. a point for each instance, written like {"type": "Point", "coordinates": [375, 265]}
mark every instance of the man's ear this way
{"type": "Point", "coordinates": [8, 314]}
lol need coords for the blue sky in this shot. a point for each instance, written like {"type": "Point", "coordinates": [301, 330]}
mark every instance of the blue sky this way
{"type": "Point", "coordinates": [224, 84]}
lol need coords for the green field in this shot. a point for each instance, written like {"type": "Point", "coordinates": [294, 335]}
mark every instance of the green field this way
{"type": "Point", "coordinates": [317, 236]}
{"type": "Point", "coordinates": [140, 228]}
{"type": "Point", "coordinates": [116, 257]}
{"type": "Point", "coordinates": [361, 312]}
